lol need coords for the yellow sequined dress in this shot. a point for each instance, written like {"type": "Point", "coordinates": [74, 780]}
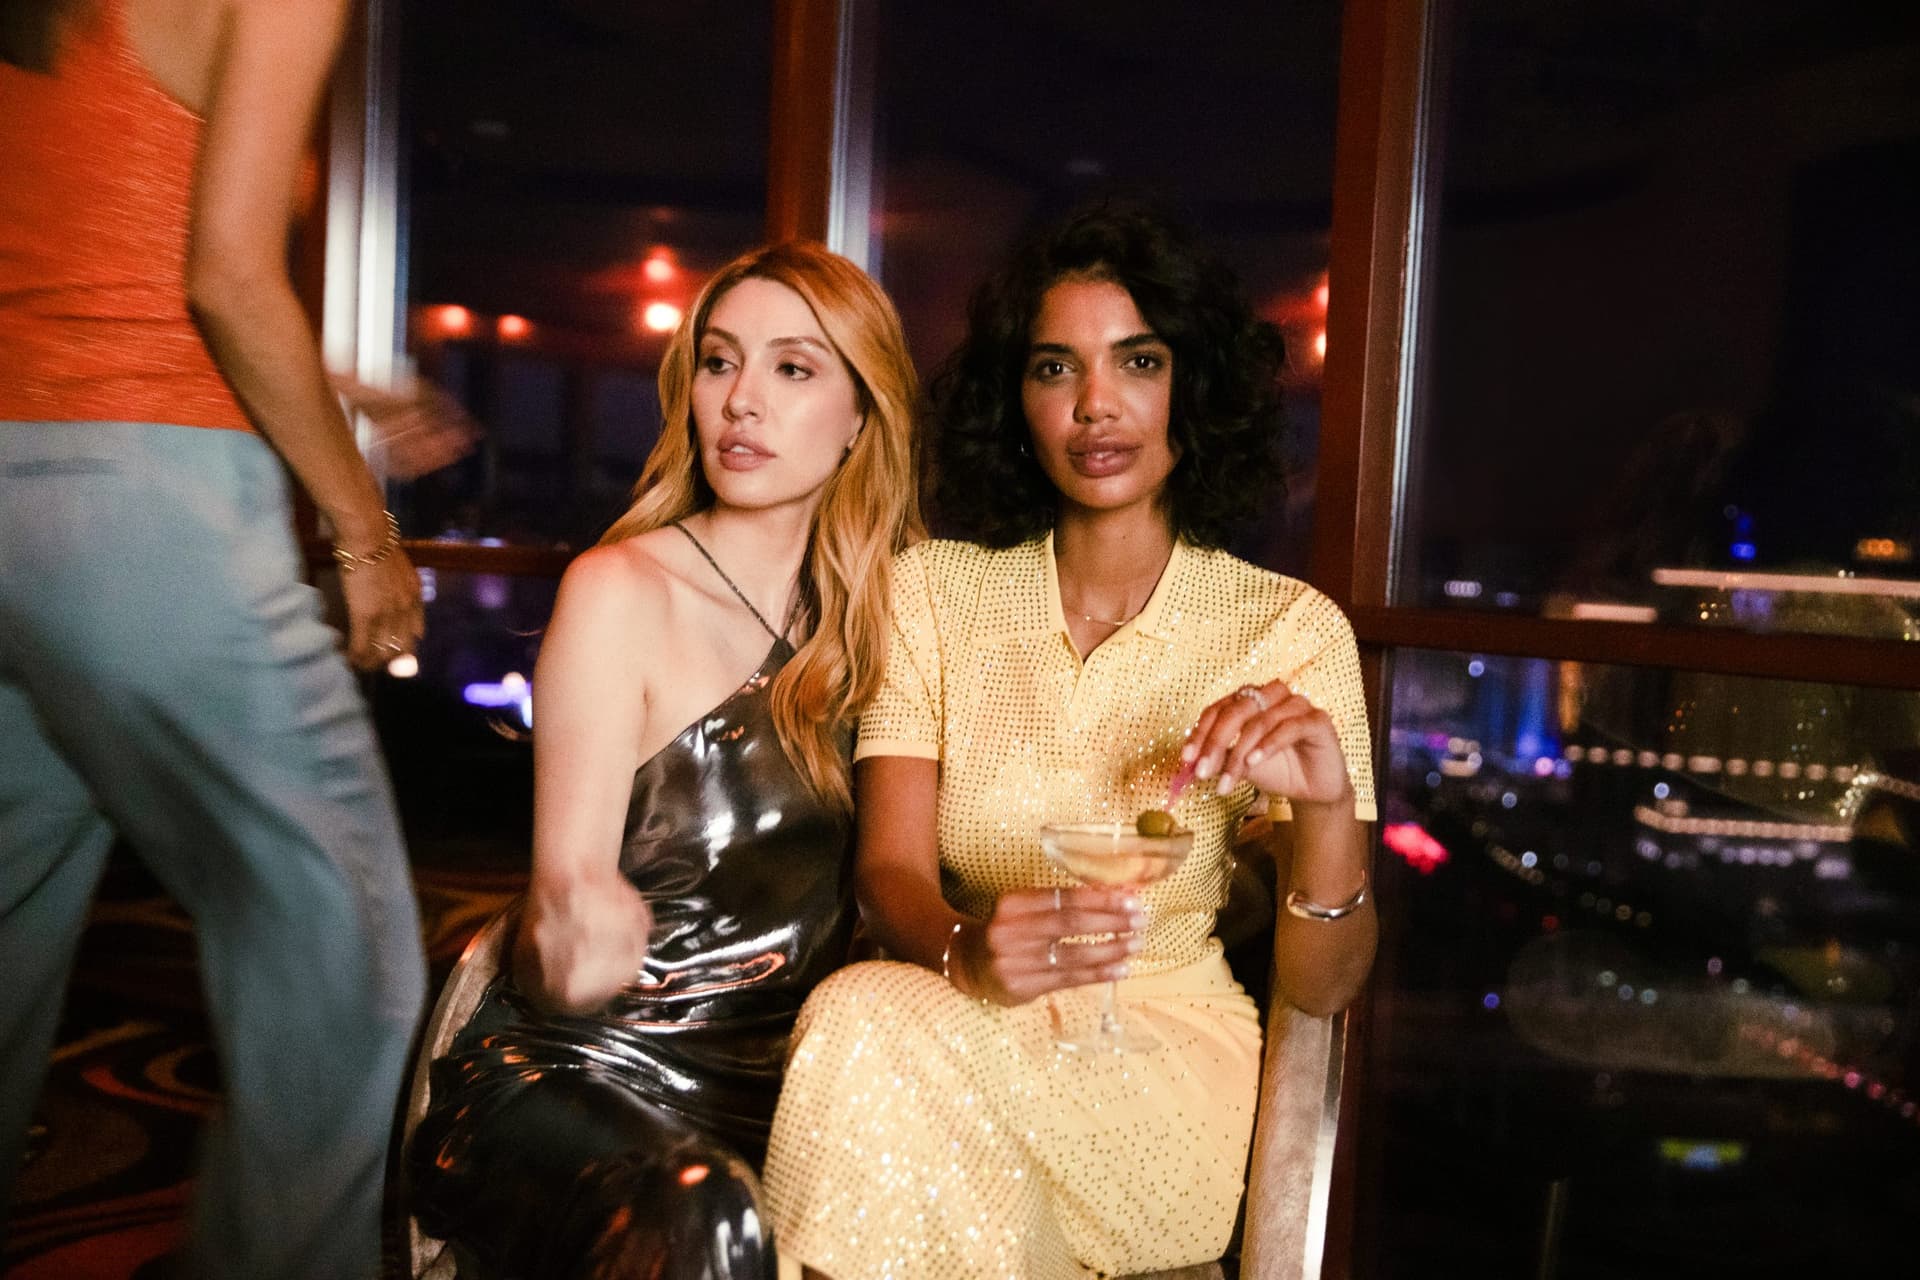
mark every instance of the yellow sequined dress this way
{"type": "Point", "coordinates": [922, 1133]}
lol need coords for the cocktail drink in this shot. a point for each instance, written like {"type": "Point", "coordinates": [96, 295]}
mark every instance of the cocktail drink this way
{"type": "Point", "coordinates": [1116, 854]}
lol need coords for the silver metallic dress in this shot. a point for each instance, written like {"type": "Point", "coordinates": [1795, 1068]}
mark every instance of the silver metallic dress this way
{"type": "Point", "coordinates": [624, 1143]}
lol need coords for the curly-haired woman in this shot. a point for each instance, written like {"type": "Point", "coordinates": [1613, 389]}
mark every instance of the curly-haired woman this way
{"type": "Point", "coordinates": [1109, 421]}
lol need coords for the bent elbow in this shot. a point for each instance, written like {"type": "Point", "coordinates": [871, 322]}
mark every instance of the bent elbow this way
{"type": "Point", "coordinates": [223, 290]}
{"type": "Point", "coordinates": [1320, 1004]}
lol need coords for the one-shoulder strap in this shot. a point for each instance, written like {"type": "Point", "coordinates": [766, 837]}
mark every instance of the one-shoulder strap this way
{"type": "Point", "coordinates": [731, 585]}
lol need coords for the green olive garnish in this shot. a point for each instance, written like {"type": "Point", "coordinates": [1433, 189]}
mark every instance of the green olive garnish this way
{"type": "Point", "coordinates": [1154, 822]}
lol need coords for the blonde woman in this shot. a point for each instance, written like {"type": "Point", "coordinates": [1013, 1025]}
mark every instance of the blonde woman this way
{"type": "Point", "coordinates": [602, 1113]}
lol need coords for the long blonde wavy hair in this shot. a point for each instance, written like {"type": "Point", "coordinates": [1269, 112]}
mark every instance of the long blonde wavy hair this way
{"type": "Point", "coordinates": [868, 511]}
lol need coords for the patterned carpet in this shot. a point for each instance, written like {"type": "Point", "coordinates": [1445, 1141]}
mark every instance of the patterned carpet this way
{"type": "Point", "coordinates": [107, 1180]}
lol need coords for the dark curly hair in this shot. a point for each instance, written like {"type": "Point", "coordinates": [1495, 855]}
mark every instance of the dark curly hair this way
{"type": "Point", "coordinates": [1225, 416]}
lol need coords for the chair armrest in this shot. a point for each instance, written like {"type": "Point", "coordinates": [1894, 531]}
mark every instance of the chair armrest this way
{"type": "Point", "coordinates": [1292, 1154]}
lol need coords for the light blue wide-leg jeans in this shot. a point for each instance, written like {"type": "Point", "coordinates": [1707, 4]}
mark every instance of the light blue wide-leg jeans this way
{"type": "Point", "coordinates": [165, 675]}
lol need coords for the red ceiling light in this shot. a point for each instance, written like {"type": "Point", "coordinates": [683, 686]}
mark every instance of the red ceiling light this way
{"type": "Point", "coordinates": [660, 317]}
{"type": "Point", "coordinates": [659, 268]}
{"type": "Point", "coordinates": [452, 320]}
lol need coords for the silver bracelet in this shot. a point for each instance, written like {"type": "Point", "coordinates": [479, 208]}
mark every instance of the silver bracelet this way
{"type": "Point", "coordinates": [1299, 905]}
{"type": "Point", "coordinates": [946, 952]}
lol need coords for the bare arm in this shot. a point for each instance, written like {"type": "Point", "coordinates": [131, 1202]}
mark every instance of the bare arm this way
{"type": "Point", "coordinates": [584, 934]}
{"type": "Point", "coordinates": [1321, 965]}
{"type": "Point", "coordinates": [272, 68]}
{"type": "Point", "coordinates": [1003, 959]}
{"type": "Point", "coordinates": [1288, 747]}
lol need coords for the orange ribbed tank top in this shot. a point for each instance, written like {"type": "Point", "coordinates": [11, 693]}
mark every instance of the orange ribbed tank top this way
{"type": "Point", "coordinates": [96, 175]}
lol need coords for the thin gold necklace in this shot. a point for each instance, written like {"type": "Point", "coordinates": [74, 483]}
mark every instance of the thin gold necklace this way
{"type": "Point", "coordinates": [1110, 622]}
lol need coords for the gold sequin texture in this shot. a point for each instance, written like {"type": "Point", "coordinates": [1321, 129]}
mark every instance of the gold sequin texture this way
{"type": "Point", "coordinates": [922, 1133]}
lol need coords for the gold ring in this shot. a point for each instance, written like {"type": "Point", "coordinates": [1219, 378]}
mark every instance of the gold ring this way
{"type": "Point", "coordinates": [1248, 691]}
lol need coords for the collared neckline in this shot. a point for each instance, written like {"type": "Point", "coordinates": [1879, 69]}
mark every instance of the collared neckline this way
{"type": "Point", "coordinates": [1146, 622]}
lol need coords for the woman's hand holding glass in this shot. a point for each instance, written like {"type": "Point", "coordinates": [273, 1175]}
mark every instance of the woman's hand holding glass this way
{"type": "Point", "coordinates": [1022, 951]}
{"type": "Point", "coordinates": [1274, 738]}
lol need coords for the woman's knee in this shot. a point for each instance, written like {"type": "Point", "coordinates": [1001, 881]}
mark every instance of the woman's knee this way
{"type": "Point", "coordinates": [870, 992]}
{"type": "Point", "coordinates": [692, 1214]}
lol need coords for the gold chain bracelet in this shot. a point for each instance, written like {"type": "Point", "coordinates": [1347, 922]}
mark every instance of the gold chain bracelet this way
{"type": "Point", "coordinates": [348, 561]}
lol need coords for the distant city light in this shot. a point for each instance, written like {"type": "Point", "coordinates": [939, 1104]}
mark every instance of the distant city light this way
{"type": "Point", "coordinates": [512, 691]}
{"type": "Point", "coordinates": [1706, 1157]}
{"type": "Point", "coordinates": [1882, 549]}
{"type": "Point", "coordinates": [1462, 588]}
{"type": "Point", "coordinates": [1742, 551]}
{"type": "Point", "coordinates": [1411, 841]}
{"type": "Point", "coordinates": [1491, 1000]}
{"type": "Point", "coordinates": [660, 317]}
{"type": "Point", "coordinates": [1476, 668]}
{"type": "Point", "coordinates": [513, 328]}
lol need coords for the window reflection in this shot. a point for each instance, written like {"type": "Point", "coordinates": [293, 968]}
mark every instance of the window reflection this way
{"type": "Point", "coordinates": [1668, 366]}
{"type": "Point", "coordinates": [573, 172]}
{"type": "Point", "coordinates": [457, 733]}
{"type": "Point", "coordinates": [1652, 954]}
{"type": "Point", "coordinates": [994, 117]}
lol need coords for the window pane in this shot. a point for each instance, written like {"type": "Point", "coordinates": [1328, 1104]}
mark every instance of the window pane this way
{"type": "Point", "coordinates": [573, 171]}
{"type": "Point", "coordinates": [991, 117]}
{"type": "Point", "coordinates": [1667, 345]}
{"type": "Point", "coordinates": [457, 734]}
{"type": "Point", "coordinates": [1651, 950]}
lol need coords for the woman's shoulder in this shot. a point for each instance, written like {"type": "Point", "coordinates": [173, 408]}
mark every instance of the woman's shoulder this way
{"type": "Point", "coordinates": [951, 567]}
{"type": "Point", "coordinates": [958, 553]}
{"type": "Point", "coordinates": [1256, 596]}
{"type": "Point", "coordinates": [633, 570]}
{"type": "Point", "coordinates": [626, 588]}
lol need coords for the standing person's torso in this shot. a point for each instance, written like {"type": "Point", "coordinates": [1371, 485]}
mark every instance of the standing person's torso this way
{"type": "Point", "coordinates": [96, 178]}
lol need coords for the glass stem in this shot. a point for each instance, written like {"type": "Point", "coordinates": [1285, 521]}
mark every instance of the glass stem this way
{"type": "Point", "coordinates": [1110, 1014]}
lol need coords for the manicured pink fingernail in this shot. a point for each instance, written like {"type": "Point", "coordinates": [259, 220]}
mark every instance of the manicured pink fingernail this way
{"type": "Point", "coordinates": [1256, 757]}
{"type": "Point", "coordinates": [1178, 783]}
{"type": "Point", "coordinates": [1225, 784]}
{"type": "Point", "coordinates": [1189, 751]}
